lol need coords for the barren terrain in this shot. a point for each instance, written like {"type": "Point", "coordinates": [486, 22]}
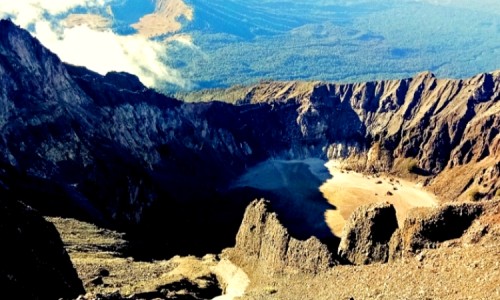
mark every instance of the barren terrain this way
{"type": "Point", "coordinates": [165, 19]}
{"type": "Point", "coordinates": [94, 250]}
{"type": "Point", "coordinates": [347, 190]}
{"type": "Point", "coordinates": [454, 271]}
{"type": "Point", "coordinates": [464, 268]}
{"type": "Point", "coordinates": [93, 21]}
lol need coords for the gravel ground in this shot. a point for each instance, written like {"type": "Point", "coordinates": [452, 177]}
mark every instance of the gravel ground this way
{"type": "Point", "coordinates": [456, 270]}
{"type": "Point", "coordinates": [93, 249]}
{"type": "Point", "coordinates": [466, 268]}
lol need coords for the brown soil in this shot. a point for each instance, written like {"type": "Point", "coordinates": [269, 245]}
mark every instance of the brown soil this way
{"type": "Point", "coordinates": [456, 270]}
{"type": "Point", "coordinates": [92, 249]}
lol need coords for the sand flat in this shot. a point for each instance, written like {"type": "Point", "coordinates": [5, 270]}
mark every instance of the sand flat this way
{"type": "Point", "coordinates": [347, 190]}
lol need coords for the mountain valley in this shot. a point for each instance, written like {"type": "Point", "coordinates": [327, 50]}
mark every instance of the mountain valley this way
{"type": "Point", "coordinates": [412, 169]}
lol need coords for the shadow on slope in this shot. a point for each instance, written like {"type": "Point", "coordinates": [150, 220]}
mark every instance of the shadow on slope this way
{"type": "Point", "coordinates": [293, 189]}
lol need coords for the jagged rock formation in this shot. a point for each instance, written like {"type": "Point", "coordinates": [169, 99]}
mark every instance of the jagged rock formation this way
{"type": "Point", "coordinates": [263, 244]}
{"type": "Point", "coordinates": [367, 233]}
{"type": "Point", "coordinates": [106, 148]}
{"type": "Point", "coordinates": [441, 124]}
{"type": "Point", "coordinates": [426, 228]}
{"type": "Point", "coordinates": [372, 233]}
{"type": "Point", "coordinates": [33, 264]}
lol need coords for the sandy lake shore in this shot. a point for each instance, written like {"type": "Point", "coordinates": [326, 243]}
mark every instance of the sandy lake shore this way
{"type": "Point", "coordinates": [347, 190]}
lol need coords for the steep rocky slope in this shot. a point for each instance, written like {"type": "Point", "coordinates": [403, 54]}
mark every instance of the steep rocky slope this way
{"type": "Point", "coordinates": [263, 245]}
{"type": "Point", "coordinates": [107, 149]}
{"type": "Point", "coordinates": [440, 124]}
{"type": "Point", "coordinates": [33, 264]}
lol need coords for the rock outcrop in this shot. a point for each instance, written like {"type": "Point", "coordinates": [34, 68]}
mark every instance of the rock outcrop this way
{"type": "Point", "coordinates": [428, 227]}
{"type": "Point", "coordinates": [372, 234]}
{"type": "Point", "coordinates": [263, 244]}
{"type": "Point", "coordinates": [366, 235]}
{"type": "Point", "coordinates": [33, 262]}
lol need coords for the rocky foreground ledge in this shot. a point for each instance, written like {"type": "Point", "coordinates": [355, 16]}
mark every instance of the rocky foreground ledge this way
{"type": "Point", "coordinates": [448, 252]}
{"type": "Point", "coordinates": [33, 262]}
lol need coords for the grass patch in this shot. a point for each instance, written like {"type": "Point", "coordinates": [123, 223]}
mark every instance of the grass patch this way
{"type": "Point", "coordinates": [412, 165]}
{"type": "Point", "coordinates": [270, 290]}
{"type": "Point", "coordinates": [475, 195]}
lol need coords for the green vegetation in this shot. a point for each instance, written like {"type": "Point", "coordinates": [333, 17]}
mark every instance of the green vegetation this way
{"type": "Point", "coordinates": [360, 43]}
{"type": "Point", "coordinates": [412, 165]}
{"type": "Point", "coordinates": [475, 194]}
{"type": "Point", "coordinates": [270, 290]}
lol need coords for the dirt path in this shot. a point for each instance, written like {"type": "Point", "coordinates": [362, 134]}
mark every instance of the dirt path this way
{"type": "Point", "coordinates": [235, 279]}
{"type": "Point", "coordinates": [347, 190]}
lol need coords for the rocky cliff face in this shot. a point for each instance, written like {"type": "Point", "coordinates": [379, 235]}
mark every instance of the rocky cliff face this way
{"type": "Point", "coordinates": [426, 228]}
{"type": "Point", "coordinates": [441, 124]}
{"type": "Point", "coordinates": [107, 149]}
{"type": "Point", "coordinates": [263, 244]}
{"type": "Point", "coordinates": [372, 233]}
{"type": "Point", "coordinates": [367, 233]}
{"type": "Point", "coordinates": [110, 150]}
{"type": "Point", "coordinates": [33, 264]}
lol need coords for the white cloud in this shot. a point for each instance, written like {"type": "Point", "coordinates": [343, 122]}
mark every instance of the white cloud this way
{"type": "Point", "coordinates": [27, 12]}
{"type": "Point", "coordinates": [101, 51]}
{"type": "Point", "coordinates": [104, 51]}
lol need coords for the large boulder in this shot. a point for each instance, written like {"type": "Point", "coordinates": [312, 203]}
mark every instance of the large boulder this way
{"type": "Point", "coordinates": [428, 227]}
{"type": "Point", "coordinates": [366, 235]}
{"type": "Point", "coordinates": [33, 261]}
{"type": "Point", "coordinates": [264, 244]}
{"type": "Point", "coordinates": [372, 235]}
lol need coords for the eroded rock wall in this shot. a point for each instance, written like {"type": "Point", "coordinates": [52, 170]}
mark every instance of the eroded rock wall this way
{"type": "Point", "coordinates": [263, 244]}
{"type": "Point", "coordinates": [106, 148]}
{"type": "Point", "coordinates": [372, 235]}
{"type": "Point", "coordinates": [440, 124]}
